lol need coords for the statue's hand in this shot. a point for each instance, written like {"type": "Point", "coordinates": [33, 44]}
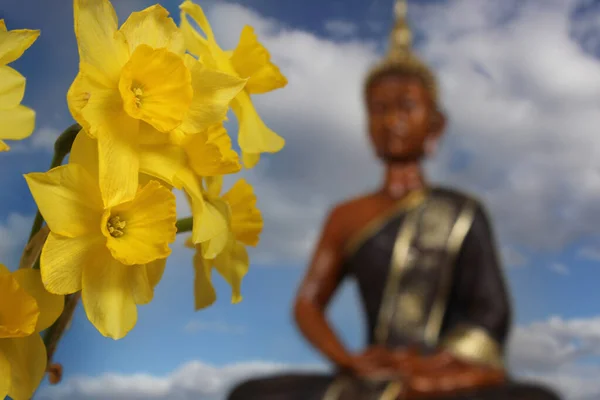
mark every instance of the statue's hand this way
{"type": "Point", "coordinates": [374, 363]}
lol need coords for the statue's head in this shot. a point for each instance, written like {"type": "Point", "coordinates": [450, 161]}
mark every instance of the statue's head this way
{"type": "Point", "coordinates": [405, 121]}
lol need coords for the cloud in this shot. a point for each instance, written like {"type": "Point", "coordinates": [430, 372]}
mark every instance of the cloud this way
{"type": "Point", "coordinates": [14, 232]}
{"type": "Point", "coordinates": [589, 253]}
{"type": "Point", "coordinates": [196, 326]}
{"type": "Point", "coordinates": [522, 99]}
{"type": "Point", "coordinates": [560, 268]}
{"type": "Point", "coordinates": [41, 139]}
{"type": "Point", "coordinates": [195, 380]}
{"type": "Point", "coordinates": [340, 29]}
{"type": "Point", "coordinates": [545, 351]}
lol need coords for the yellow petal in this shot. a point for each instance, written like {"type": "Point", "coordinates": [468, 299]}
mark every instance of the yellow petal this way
{"type": "Point", "coordinates": [233, 265]}
{"type": "Point", "coordinates": [17, 123]}
{"type": "Point", "coordinates": [153, 27]}
{"type": "Point", "coordinates": [2, 29]}
{"type": "Point", "coordinates": [214, 185]}
{"type": "Point", "coordinates": [97, 39]}
{"type": "Point", "coordinates": [195, 43]}
{"type": "Point", "coordinates": [213, 92]}
{"type": "Point", "coordinates": [12, 88]}
{"type": "Point", "coordinates": [14, 43]}
{"type": "Point", "coordinates": [77, 98]}
{"type": "Point", "coordinates": [254, 136]}
{"type": "Point", "coordinates": [219, 211]}
{"type": "Point", "coordinates": [210, 153]}
{"type": "Point", "coordinates": [252, 60]}
{"type": "Point", "coordinates": [67, 199]}
{"type": "Point", "coordinates": [156, 270]}
{"type": "Point", "coordinates": [246, 219]}
{"type": "Point", "coordinates": [149, 135]}
{"type": "Point", "coordinates": [107, 296]}
{"type": "Point", "coordinates": [19, 312]}
{"type": "Point", "coordinates": [4, 146]}
{"type": "Point", "coordinates": [197, 14]}
{"type": "Point", "coordinates": [4, 366]}
{"type": "Point", "coordinates": [189, 243]}
{"type": "Point", "coordinates": [27, 357]}
{"type": "Point", "coordinates": [204, 292]}
{"type": "Point", "coordinates": [250, 159]}
{"type": "Point", "coordinates": [84, 152]}
{"type": "Point", "coordinates": [140, 284]}
{"type": "Point", "coordinates": [63, 259]}
{"type": "Point", "coordinates": [208, 223]}
{"type": "Point", "coordinates": [156, 87]}
{"type": "Point", "coordinates": [162, 162]}
{"type": "Point", "coordinates": [118, 166]}
{"type": "Point", "coordinates": [50, 305]}
{"type": "Point", "coordinates": [150, 226]}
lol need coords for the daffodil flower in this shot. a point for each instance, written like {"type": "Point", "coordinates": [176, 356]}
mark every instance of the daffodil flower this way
{"type": "Point", "coordinates": [114, 255]}
{"type": "Point", "coordinates": [134, 87]}
{"type": "Point", "coordinates": [16, 121]}
{"type": "Point", "coordinates": [244, 223]}
{"type": "Point", "coordinates": [26, 309]}
{"type": "Point", "coordinates": [250, 60]}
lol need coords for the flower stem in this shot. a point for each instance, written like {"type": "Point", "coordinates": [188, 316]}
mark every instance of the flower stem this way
{"type": "Point", "coordinates": [185, 225]}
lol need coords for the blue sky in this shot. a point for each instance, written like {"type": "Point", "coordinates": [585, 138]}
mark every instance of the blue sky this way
{"type": "Point", "coordinates": [521, 84]}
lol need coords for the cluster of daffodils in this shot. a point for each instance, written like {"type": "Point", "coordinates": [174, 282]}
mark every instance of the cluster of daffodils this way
{"type": "Point", "coordinates": [151, 99]}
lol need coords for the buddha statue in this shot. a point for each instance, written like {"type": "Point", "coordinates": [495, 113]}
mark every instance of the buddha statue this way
{"type": "Point", "coordinates": [424, 260]}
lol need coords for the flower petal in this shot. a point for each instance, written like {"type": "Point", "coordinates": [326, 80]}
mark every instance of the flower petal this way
{"type": "Point", "coordinates": [210, 153]}
{"type": "Point", "coordinates": [250, 159]}
{"type": "Point", "coordinates": [4, 372]}
{"type": "Point", "coordinates": [254, 136]}
{"type": "Point", "coordinates": [2, 29]}
{"type": "Point", "coordinates": [162, 162]}
{"type": "Point", "coordinates": [67, 198]}
{"type": "Point", "coordinates": [197, 14]}
{"type": "Point", "coordinates": [107, 296]}
{"type": "Point", "coordinates": [195, 43]}
{"type": "Point", "coordinates": [219, 210]}
{"type": "Point", "coordinates": [214, 185]}
{"type": "Point", "coordinates": [156, 87]}
{"type": "Point", "coordinates": [14, 43]}
{"type": "Point", "coordinates": [213, 92]}
{"type": "Point", "coordinates": [207, 223]}
{"type": "Point", "coordinates": [153, 27]}
{"type": "Point", "coordinates": [84, 152]}
{"type": "Point", "coordinates": [156, 270]}
{"type": "Point", "coordinates": [204, 292]}
{"type": "Point", "coordinates": [233, 265]}
{"type": "Point", "coordinates": [150, 226]}
{"type": "Point", "coordinates": [63, 259]}
{"type": "Point", "coordinates": [17, 123]}
{"type": "Point", "coordinates": [27, 357]}
{"type": "Point", "coordinates": [50, 305]}
{"type": "Point", "coordinates": [97, 39]}
{"type": "Point", "coordinates": [140, 284]}
{"type": "Point", "coordinates": [77, 98]}
{"type": "Point", "coordinates": [19, 312]}
{"type": "Point", "coordinates": [12, 88]}
{"type": "Point", "coordinates": [252, 60]}
{"type": "Point", "coordinates": [4, 146]}
{"type": "Point", "coordinates": [246, 218]}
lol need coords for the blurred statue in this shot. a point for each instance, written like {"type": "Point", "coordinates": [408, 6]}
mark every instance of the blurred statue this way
{"type": "Point", "coordinates": [426, 265]}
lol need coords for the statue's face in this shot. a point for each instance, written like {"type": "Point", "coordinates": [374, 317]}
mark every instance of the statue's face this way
{"type": "Point", "coordinates": [400, 117]}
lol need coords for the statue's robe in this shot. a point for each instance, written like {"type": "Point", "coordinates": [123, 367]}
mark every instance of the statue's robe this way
{"type": "Point", "coordinates": [429, 275]}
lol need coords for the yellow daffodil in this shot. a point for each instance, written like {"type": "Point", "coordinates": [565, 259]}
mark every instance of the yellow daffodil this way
{"type": "Point", "coordinates": [16, 121]}
{"type": "Point", "coordinates": [114, 255]}
{"type": "Point", "coordinates": [250, 60]}
{"type": "Point", "coordinates": [244, 223]}
{"type": "Point", "coordinates": [135, 86]}
{"type": "Point", "coordinates": [26, 309]}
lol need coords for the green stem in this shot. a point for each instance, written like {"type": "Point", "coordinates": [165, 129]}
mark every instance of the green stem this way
{"type": "Point", "coordinates": [62, 147]}
{"type": "Point", "coordinates": [185, 225]}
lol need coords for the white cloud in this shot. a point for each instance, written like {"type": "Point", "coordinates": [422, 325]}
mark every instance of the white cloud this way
{"type": "Point", "coordinates": [543, 352]}
{"type": "Point", "coordinates": [589, 253]}
{"type": "Point", "coordinates": [340, 28]}
{"type": "Point", "coordinates": [522, 99]}
{"type": "Point", "coordinates": [14, 232]}
{"type": "Point", "coordinates": [560, 268]}
{"type": "Point", "coordinates": [41, 139]}
{"type": "Point", "coordinates": [194, 380]}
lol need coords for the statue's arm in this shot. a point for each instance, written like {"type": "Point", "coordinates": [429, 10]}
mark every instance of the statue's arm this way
{"type": "Point", "coordinates": [480, 317]}
{"type": "Point", "coordinates": [317, 289]}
